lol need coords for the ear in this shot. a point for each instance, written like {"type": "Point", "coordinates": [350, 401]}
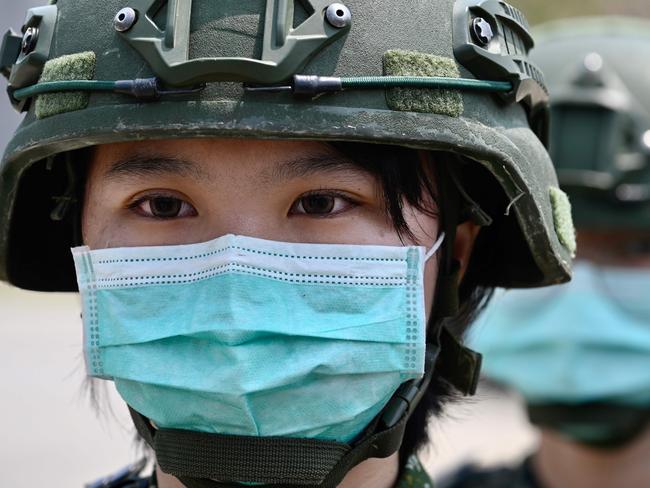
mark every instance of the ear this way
{"type": "Point", "coordinates": [466, 234]}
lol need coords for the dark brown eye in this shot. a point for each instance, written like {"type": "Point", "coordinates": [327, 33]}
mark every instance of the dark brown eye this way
{"type": "Point", "coordinates": [317, 204]}
{"type": "Point", "coordinates": [322, 204]}
{"type": "Point", "coordinates": [164, 207]}
{"type": "Point", "coordinates": [636, 248]}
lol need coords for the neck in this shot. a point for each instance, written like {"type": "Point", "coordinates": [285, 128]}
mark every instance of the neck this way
{"type": "Point", "coordinates": [372, 473]}
{"type": "Point", "coordinates": [560, 462]}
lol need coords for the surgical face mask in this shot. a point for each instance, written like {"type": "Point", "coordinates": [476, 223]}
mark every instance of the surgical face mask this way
{"type": "Point", "coordinates": [250, 337]}
{"type": "Point", "coordinates": [586, 341]}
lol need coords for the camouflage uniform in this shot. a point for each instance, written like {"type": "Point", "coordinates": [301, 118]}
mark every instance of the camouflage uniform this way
{"type": "Point", "coordinates": [471, 476]}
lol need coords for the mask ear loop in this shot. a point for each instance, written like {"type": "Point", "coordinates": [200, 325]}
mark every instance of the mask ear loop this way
{"type": "Point", "coordinates": [434, 249]}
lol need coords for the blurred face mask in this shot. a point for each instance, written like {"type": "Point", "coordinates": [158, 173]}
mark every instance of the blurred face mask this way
{"type": "Point", "coordinates": [251, 337]}
{"type": "Point", "coordinates": [585, 343]}
{"type": "Point", "coordinates": [598, 425]}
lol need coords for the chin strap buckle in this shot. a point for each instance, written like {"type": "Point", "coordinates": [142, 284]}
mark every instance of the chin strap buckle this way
{"type": "Point", "coordinates": [408, 394]}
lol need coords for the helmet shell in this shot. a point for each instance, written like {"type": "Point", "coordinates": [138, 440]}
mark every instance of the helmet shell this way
{"type": "Point", "coordinates": [600, 132]}
{"type": "Point", "coordinates": [491, 132]}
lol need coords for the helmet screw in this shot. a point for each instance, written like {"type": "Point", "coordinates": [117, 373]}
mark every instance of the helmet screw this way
{"type": "Point", "coordinates": [338, 15]}
{"type": "Point", "coordinates": [482, 31]}
{"type": "Point", "coordinates": [30, 39]}
{"type": "Point", "coordinates": [125, 19]}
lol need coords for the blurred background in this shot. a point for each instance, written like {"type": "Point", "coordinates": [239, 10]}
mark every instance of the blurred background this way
{"type": "Point", "coordinates": [53, 435]}
{"type": "Point", "coordinates": [542, 10]}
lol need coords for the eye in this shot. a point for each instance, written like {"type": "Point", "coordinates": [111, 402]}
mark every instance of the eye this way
{"type": "Point", "coordinates": [163, 207]}
{"type": "Point", "coordinates": [636, 248]}
{"type": "Point", "coordinates": [321, 204]}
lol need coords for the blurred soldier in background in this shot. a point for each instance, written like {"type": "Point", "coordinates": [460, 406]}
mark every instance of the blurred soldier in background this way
{"type": "Point", "coordinates": [580, 353]}
{"type": "Point", "coordinates": [258, 264]}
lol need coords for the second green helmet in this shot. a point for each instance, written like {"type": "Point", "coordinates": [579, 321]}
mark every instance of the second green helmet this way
{"type": "Point", "coordinates": [600, 104]}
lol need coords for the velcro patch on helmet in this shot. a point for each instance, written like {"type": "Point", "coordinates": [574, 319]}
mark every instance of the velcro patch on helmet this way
{"type": "Point", "coordinates": [80, 66]}
{"type": "Point", "coordinates": [562, 219]}
{"type": "Point", "coordinates": [410, 63]}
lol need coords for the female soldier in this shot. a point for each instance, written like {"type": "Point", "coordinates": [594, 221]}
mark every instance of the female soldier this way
{"type": "Point", "coordinates": [276, 252]}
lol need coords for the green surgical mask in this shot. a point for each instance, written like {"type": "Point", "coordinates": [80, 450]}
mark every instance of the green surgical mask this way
{"type": "Point", "coordinates": [249, 337]}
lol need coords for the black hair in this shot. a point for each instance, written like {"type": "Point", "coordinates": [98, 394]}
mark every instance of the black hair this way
{"type": "Point", "coordinates": [402, 177]}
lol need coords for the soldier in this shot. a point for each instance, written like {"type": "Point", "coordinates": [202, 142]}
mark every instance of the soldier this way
{"type": "Point", "coordinates": [283, 216]}
{"type": "Point", "coordinates": [580, 353]}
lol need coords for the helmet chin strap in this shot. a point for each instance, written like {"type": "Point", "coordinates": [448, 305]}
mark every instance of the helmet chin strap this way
{"type": "Point", "coordinates": [204, 460]}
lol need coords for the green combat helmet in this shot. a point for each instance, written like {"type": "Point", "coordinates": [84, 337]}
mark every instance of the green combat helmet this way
{"type": "Point", "coordinates": [600, 135]}
{"type": "Point", "coordinates": [442, 75]}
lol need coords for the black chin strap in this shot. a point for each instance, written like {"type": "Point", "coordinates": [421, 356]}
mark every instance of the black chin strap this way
{"type": "Point", "coordinates": [203, 460]}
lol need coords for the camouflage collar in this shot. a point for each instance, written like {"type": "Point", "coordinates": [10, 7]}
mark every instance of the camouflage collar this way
{"type": "Point", "coordinates": [414, 475]}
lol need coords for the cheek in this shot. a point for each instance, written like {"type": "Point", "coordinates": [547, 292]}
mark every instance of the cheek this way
{"type": "Point", "coordinates": [95, 227]}
{"type": "Point", "coordinates": [93, 223]}
{"type": "Point", "coordinates": [430, 279]}
{"type": "Point", "coordinates": [99, 226]}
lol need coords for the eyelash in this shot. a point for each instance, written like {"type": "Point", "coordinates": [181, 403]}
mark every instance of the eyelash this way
{"type": "Point", "coordinates": [135, 206]}
{"type": "Point", "coordinates": [349, 202]}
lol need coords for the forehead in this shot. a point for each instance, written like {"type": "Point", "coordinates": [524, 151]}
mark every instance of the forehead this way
{"type": "Point", "coordinates": [605, 238]}
{"type": "Point", "coordinates": [622, 247]}
{"type": "Point", "coordinates": [202, 159]}
{"type": "Point", "coordinates": [208, 149]}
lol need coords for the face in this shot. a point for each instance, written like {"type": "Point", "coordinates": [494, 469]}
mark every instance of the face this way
{"type": "Point", "coordinates": [188, 191]}
{"type": "Point", "coordinates": [624, 248]}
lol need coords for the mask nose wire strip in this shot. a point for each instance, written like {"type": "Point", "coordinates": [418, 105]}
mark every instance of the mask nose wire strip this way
{"type": "Point", "coordinates": [435, 247]}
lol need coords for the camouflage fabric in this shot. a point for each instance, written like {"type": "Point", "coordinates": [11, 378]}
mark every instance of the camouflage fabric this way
{"type": "Point", "coordinates": [471, 476]}
{"type": "Point", "coordinates": [414, 475]}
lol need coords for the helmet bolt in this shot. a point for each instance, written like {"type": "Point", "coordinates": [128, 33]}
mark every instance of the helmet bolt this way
{"type": "Point", "coordinates": [125, 19]}
{"type": "Point", "coordinates": [338, 15]}
{"type": "Point", "coordinates": [482, 31]}
{"type": "Point", "coordinates": [30, 39]}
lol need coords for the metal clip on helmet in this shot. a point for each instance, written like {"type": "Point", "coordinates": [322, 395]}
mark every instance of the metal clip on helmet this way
{"type": "Point", "coordinates": [441, 75]}
{"type": "Point", "coordinates": [600, 137]}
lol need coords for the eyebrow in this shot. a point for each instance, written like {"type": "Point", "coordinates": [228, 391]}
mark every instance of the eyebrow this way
{"type": "Point", "coordinates": [139, 166]}
{"type": "Point", "coordinates": [154, 165]}
{"type": "Point", "coordinates": [304, 166]}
